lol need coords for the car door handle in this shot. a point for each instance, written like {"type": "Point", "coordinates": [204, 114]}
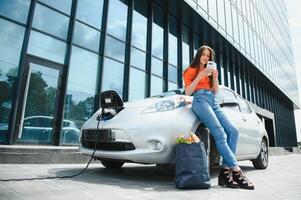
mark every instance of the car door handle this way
{"type": "Point", "coordinates": [244, 119]}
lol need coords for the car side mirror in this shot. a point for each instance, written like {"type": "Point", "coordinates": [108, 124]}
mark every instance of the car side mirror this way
{"type": "Point", "coordinates": [231, 102]}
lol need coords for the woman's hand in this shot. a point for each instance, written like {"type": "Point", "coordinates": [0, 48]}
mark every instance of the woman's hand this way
{"type": "Point", "coordinates": [215, 73]}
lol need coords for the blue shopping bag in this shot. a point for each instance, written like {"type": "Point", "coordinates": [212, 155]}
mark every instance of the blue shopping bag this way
{"type": "Point", "coordinates": [192, 170]}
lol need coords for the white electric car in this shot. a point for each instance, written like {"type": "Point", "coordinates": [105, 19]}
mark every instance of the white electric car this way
{"type": "Point", "coordinates": [145, 131]}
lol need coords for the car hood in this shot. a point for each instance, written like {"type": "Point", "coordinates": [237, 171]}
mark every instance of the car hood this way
{"type": "Point", "coordinates": [142, 103]}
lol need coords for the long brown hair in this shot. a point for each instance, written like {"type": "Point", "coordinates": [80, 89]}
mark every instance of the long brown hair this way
{"type": "Point", "coordinates": [196, 60]}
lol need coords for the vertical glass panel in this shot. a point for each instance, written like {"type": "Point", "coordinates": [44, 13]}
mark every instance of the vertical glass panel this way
{"type": "Point", "coordinates": [11, 40]}
{"type": "Point", "coordinates": [137, 84]}
{"type": "Point", "coordinates": [62, 5]}
{"type": "Point", "coordinates": [157, 33]}
{"type": "Point", "coordinates": [185, 48]}
{"type": "Point", "coordinates": [203, 4]}
{"type": "Point", "coordinates": [90, 11]}
{"type": "Point", "coordinates": [172, 86]}
{"type": "Point", "coordinates": [114, 48]}
{"type": "Point", "coordinates": [235, 25]}
{"type": "Point", "coordinates": [228, 18]}
{"type": "Point", "coordinates": [112, 78]}
{"type": "Point", "coordinates": [86, 36]}
{"type": "Point", "coordinates": [241, 32]}
{"type": "Point", "coordinates": [157, 67]}
{"type": "Point", "coordinates": [81, 89]}
{"type": "Point", "coordinates": [173, 42]}
{"type": "Point", "coordinates": [117, 18]}
{"type": "Point", "coordinates": [212, 10]}
{"type": "Point", "coordinates": [20, 9]}
{"type": "Point", "coordinates": [46, 47]}
{"type": "Point", "coordinates": [40, 104]}
{"type": "Point", "coordinates": [50, 21]}
{"type": "Point", "coordinates": [138, 58]}
{"type": "Point", "coordinates": [172, 73]}
{"type": "Point", "coordinates": [156, 85]}
{"type": "Point", "coordinates": [139, 27]}
{"type": "Point", "coordinates": [221, 13]}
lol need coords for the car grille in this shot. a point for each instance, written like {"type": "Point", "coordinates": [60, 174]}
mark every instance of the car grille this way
{"type": "Point", "coordinates": [105, 141]}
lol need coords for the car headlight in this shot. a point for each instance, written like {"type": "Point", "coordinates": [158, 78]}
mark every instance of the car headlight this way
{"type": "Point", "coordinates": [166, 105]}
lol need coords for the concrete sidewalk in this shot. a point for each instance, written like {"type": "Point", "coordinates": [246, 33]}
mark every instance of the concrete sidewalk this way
{"type": "Point", "coordinates": [282, 180]}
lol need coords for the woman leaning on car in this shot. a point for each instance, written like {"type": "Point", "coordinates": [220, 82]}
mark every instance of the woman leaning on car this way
{"type": "Point", "coordinates": [202, 82]}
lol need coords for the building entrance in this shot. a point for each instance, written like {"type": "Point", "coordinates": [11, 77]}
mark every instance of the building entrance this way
{"type": "Point", "coordinates": [40, 94]}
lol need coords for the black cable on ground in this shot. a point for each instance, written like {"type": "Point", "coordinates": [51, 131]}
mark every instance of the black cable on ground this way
{"type": "Point", "coordinates": [54, 177]}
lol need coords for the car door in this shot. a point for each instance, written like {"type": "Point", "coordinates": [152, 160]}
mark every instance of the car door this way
{"type": "Point", "coordinates": [232, 110]}
{"type": "Point", "coordinates": [251, 131]}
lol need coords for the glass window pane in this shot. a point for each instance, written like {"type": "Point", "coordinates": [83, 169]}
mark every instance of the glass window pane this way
{"type": "Point", "coordinates": [137, 84]}
{"type": "Point", "coordinates": [62, 5]}
{"type": "Point", "coordinates": [112, 76]}
{"type": "Point", "coordinates": [157, 33]}
{"type": "Point", "coordinates": [228, 18]}
{"type": "Point", "coordinates": [185, 48]}
{"type": "Point", "coordinates": [46, 47]}
{"type": "Point", "coordinates": [157, 67]}
{"type": "Point", "coordinates": [81, 89]}
{"type": "Point", "coordinates": [11, 40]}
{"type": "Point", "coordinates": [138, 58]}
{"type": "Point", "coordinates": [117, 19]}
{"type": "Point", "coordinates": [139, 27]}
{"type": "Point", "coordinates": [235, 25]}
{"type": "Point", "coordinates": [90, 11]}
{"type": "Point", "coordinates": [212, 9]}
{"type": "Point", "coordinates": [50, 21]}
{"type": "Point", "coordinates": [114, 48]}
{"type": "Point", "coordinates": [156, 85]}
{"type": "Point", "coordinates": [203, 4]}
{"type": "Point", "coordinates": [172, 86]}
{"type": "Point", "coordinates": [86, 36]}
{"type": "Point", "coordinates": [20, 9]}
{"type": "Point", "coordinates": [221, 13]}
{"type": "Point", "coordinates": [172, 73]}
{"type": "Point", "coordinates": [173, 43]}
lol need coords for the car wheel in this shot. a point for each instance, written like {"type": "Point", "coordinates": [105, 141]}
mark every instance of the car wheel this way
{"type": "Point", "coordinates": [112, 164]}
{"type": "Point", "coordinates": [262, 161]}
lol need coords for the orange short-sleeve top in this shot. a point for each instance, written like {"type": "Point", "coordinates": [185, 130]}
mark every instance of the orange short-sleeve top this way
{"type": "Point", "coordinates": [190, 74]}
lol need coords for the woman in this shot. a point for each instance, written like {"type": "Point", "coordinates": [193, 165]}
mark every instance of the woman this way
{"type": "Point", "coordinates": [202, 83]}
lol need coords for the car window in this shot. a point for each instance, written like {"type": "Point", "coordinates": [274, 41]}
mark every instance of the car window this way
{"type": "Point", "coordinates": [244, 106]}
{"type": "Point", "coordinates": [224, 93]}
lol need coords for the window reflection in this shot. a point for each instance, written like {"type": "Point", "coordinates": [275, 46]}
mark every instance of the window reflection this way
{"type": "Point", "coordinates": [62, 5]}
{"type": "Point", "coordinates": [86, 36]}
{"type": "Point", "coordinates": [16, 9]}
{"type": "Point", "coordinates": [79, 104]}
{"type": "Point", "coordinates": [156, 85]}
{"type": "Point", "coordinates": [11, 39]}
{"type": "Point", "coordinates": [90, 11]}
{"type": "Point", "coordinates": [139, 27]}
{"type": "Point", "coordinates": [172, 73]}
{"type": "Point", "coordinates": [137, 84]}
{"type": "Point", "coordinates": [138, 58]}
{"type": "Point", "coordinates": [173, 42]}
{"type": "Point", "coordinates": [117, 19]}
{"type": "Point", "coordinates": [172, 86]}
{"type": "Point", "coordinates": [114, 48]}
{"type": "Point", "coordinates": [50, 21]}
{"type": "Point", "coordinates": [112, 76]}
{"type": "Point", "coordinates": [46, 47]}
{"type": "Point", "coordinates": [157, 33]}
{"type": "Point", "coordinates": [157, 67]}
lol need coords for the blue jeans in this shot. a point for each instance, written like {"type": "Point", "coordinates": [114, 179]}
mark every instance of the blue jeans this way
{"type": "Point", "coordinates": [224, 132]}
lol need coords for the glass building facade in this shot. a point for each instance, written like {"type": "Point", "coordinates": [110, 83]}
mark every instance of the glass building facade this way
{"type": "Point", "coordinates": [56, 56]}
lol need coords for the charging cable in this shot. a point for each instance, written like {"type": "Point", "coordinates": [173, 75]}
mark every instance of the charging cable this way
{"type": "Point", "coordinates": [68, 176]}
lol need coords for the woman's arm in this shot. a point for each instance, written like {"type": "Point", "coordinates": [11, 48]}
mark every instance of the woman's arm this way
{"type": "Point", "coordinates": [190, 88]}
{"type": "Point", "coordinates": [215, 81]}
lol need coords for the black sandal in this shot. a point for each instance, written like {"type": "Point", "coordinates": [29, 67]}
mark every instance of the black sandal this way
{"type": "Point", "coordinates": [225, 178]}
{"type": "Point", "coordinates": [242, 180]}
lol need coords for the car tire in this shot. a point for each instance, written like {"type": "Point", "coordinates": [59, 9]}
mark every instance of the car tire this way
{"type": "Point", "coordinates": [112, 164]}
{"type": "Point", "coordinates": [262, 161]}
